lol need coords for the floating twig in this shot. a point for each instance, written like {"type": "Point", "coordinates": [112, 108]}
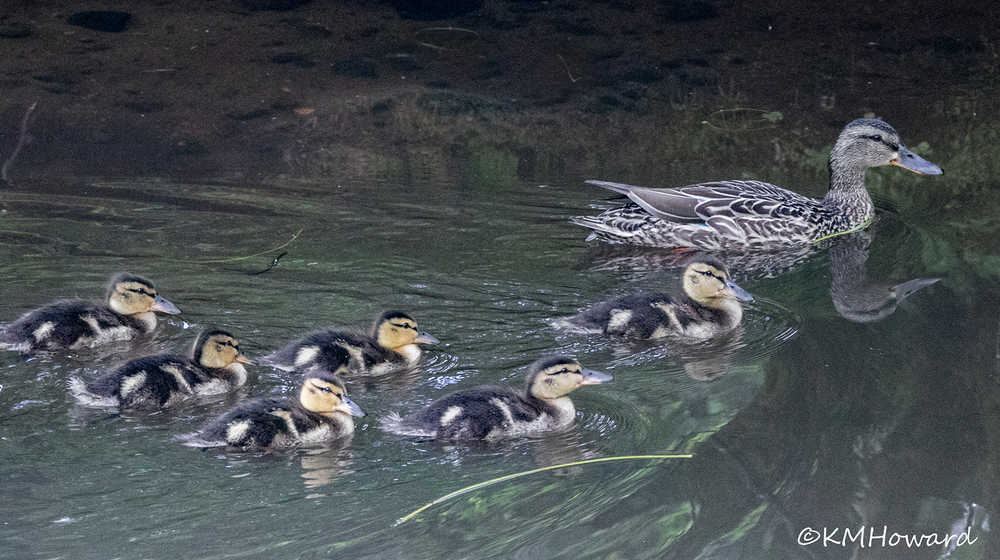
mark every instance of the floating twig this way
{"type": "Point", "coordinates": [572, 79]}
{"type": "Point", "coordinates": [273, 264]}
{"type": "Point", "coordinates": [21, 140]}
{"type": "Point", "coordinates": [435, 29]}
{"type": "Point", "coordinates": [504, 478]}
{"type": "Point", "coordinates": [236, 259]}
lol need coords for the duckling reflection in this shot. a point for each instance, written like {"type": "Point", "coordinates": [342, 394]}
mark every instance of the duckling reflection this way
{"type": "Point", "coordinates": [855, 297]}
{"type": "Point", "coordinates": [320, 467]}
{"type": "Point", "coordinates": [710, 304]}
{"type": "Point", "coordinates": [129, 310]}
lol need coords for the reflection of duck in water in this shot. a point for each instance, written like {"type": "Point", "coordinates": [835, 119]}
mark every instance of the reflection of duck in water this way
{"type": "Point", "coordinates": [749, 215]}
{"type": "Point", "coordinates": [710, 305]}
{"type": "Point", "coordinates": [854, 296]}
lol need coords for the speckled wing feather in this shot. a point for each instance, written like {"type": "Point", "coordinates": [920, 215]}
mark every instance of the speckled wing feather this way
{"type": "Point", "coordinates": [698, 203]}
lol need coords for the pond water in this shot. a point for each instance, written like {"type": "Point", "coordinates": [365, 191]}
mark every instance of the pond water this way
{"type": "Point", "coordinates": [835, 405]}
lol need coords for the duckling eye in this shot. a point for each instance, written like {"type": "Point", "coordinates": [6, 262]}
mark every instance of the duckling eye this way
{"type": "Point", "coordinates": [218, 348]}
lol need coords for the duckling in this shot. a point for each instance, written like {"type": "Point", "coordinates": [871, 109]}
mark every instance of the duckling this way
{"type": "Point", "coordinates": [710, 305]}
{"type": "Point", "coordinates": [322, 413]}
{"type": "Point", "coordinates": [391, 344]}
{"type": "Point", "coordinates": [215, 365]}
{"type": "Point", "coordinates": [129, 310]}
{"type": "Point", "coordinates": [491, 412]}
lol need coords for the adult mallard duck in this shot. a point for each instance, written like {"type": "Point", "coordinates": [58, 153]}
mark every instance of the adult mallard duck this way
{"type": "Point", "coordinates": [742, 215]}
{"type": "Point", "coordinates": [129, 310]}
{"type": "Point", "coordinates": [709, 306]}
{"type": "Point", "coordinates": [497, 411]}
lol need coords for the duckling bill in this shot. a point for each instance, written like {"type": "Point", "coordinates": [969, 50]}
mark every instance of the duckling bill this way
{"type": "Point", "coordinates": [321, 413]}
{"type": "Point", "coordinates": [129, 310]}
{"type": "Point", "coordinates": [215, 365]}
{"type": "Point", "coordinates": [710, 305]}
{"type": "Point", "coordinates": [392, 343]}
{"type": "Point", "coordinates": [492, 412]}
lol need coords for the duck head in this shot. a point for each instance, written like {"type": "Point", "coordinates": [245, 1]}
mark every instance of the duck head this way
{"type": "Point", "coordinates": [873, 143]}
{"type": "Point", "coordinates": [129, 294]}
{"type": "Point", "coordinates": [324, 393]}
{"type": "Point", "coordinates": [396, 330]}
{"type": "Point", "coordinates": [553, 377]}
{"type": "Point", "coordinates": [218, 349]}
{"type": "Point", "coordinates": [706, 280]}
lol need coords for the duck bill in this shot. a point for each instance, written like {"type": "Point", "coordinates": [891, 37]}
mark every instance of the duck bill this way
{"type": "Point", "coordinates": [911, 161]}
{"type": "Point", "coordinates": [348, 406]}
{"type": "Point", "coordinates": [591, 377]}
{"type": "Point", "coordinates": [241, 359]}
{"type": "Point", "coordinates": [736, 292]}
{"type": "Point", "coordinates": [424, 338]}
{"type": "Point", "coordinates": [163, 305]}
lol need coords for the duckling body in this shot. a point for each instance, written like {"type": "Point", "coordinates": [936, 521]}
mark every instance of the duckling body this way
{"type": "Point", "coordinates": [709, 306]}
{"type": "Point", "coordinates": [322, 413]}
{"type": "Point", "coordinates": [214, 366]}
{"type": "Point", "coordinates": [129, 310]}
{"type": "Point", "coordinates": [492, 411]}
{"type": "Point", "coordinates": [737, 214]}
{"type": "Point", "coordinates": [392, 344]}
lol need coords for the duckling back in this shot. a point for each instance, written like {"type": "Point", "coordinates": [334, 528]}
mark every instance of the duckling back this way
{"type": "Point", "coordinates": [152, 382]}
{"type": "Point", "coordinates": [486, 412]}
{"type": "Point", "coordinates": [332, 350]}
{"type": "Point", "coordinates": [68, 324]}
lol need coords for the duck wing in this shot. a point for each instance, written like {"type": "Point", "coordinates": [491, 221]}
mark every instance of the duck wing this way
{"type": "Point", "coordinates": [699, 203]}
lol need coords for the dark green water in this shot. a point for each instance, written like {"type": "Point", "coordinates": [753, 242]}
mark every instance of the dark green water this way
{"type": "Point", "coordinates": [805, 417]}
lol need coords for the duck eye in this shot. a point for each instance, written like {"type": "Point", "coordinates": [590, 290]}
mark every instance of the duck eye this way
{"type": "Point", "coordinates": [218, 348]}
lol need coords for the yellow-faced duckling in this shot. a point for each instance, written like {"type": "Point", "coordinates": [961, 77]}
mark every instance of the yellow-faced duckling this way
{"type": "Point", "coordinates": [129, 310]}
{"type": "Point", "coordinates": [214, 366]}
{"type": "Point", "coordinates": [393, 343]}
{"type": "Point", "coordinates": [492, 412]}
{"type": "Point", "coordinates": [740, 214]}
{"type": "Point", "coordinates": [710, 305]}
{"type": "Point", "coordinates": [321, 413]}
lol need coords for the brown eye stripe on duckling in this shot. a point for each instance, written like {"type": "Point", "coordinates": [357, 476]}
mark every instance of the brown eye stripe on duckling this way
{"type": "Point", "coordinates": [562, 370]}
{"type": "Point", "coordinates": [709, 273]}
{"type": "Point", "coordinates": [140, 291]}
{"type": "Point", "coordinates": [325, 389]}
{"type": "Point", "coordinates": [404, 325]}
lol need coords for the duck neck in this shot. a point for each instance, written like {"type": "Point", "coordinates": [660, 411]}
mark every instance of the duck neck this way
{"type": "Point", "coordinates": [847, 187]}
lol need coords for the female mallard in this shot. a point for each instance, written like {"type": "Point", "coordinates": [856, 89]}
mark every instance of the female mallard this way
{"type": "Point", "coordinates": [392, 344]}
{"type": "Point", "coordinates": [743, 215]}
{"type": "Point", "coordinates": [215, 365]}
{"type": "Point", "coordinates": [322, 412]}
{"type": "Point", "coordinates": [129, 310]}
{"type": "Point", "coordinates": [710, 305]}
{"type": "Point", "coordinates": [496, 411]}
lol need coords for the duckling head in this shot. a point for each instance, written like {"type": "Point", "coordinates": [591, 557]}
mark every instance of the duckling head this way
{"type": "Point", "coordinates": [706, 280]}
{"type": "Point", "coordinates": [554, 377]}
{"type": "Point", "coordinates": [129, 294]}
{"type": "Point", "coordinates": [218, 349]}
{"type": "Point", "coordinates": [398, 331]}
{"type": "Point", "coordinates": [324, 393]}
{"type": "Point", "coordinates": [871, 143]}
